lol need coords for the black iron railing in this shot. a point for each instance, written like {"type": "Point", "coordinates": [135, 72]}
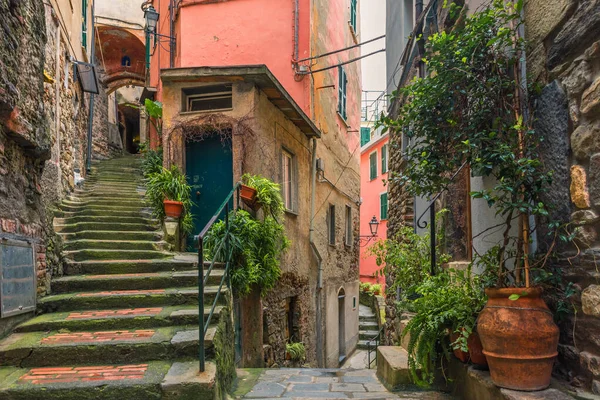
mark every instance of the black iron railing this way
{"type": "Point", "coordinates": [203, 279]}
{"type": "Point", "coordinates": [372, 345]}
{"type": "Point", "coordinates": [432, 229]}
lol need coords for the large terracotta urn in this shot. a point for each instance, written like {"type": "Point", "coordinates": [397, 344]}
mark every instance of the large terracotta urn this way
{"type": "Point", "coordinates": [519, 337]}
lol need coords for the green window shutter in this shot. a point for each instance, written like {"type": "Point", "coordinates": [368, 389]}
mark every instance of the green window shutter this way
{"type": "Point", "coordinates": [384, 206]}
{"type": "Point", "coordinates": [353, 14]}
{"type": "Point", "coordinates": [342, 83]}
{"type": "Point", "coordinates": [84, 24]}
{"type": "Point", "coordinates": [373, 165]}
{"type": "Point", "coordinates": [384, 157]}
{"type": "Point", "coordinates": [365, 135]}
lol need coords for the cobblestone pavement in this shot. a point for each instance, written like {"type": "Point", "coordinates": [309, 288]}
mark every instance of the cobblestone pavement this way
{"type": "Point", "coordinates": [328, 384]}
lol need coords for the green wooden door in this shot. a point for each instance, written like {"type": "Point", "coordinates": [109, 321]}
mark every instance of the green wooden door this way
{"type": "Point", "coordinates": [209, 171]}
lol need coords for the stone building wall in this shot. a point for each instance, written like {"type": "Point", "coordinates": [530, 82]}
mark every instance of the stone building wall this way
{"type": "Point", "coordinates": [24, 136]}
{"type": "Point", "coordinates": [564, 59]}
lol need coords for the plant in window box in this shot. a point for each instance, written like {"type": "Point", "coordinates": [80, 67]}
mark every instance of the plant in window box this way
{"type": "Point", "coordinates": [258, 191]}
{"type": "Point", "coordinates": [473, 108]}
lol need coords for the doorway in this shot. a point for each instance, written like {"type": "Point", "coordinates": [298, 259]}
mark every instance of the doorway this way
{"type": "Point", "coordinates": [209, 171]}
{"type": "Point", "coordinates": [342, 324]}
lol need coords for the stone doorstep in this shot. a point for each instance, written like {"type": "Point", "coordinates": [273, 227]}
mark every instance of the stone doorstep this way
{"type": "Point", "coordinates": [392, 366]}
{"type": "Point", "coordinates": [155, 379]}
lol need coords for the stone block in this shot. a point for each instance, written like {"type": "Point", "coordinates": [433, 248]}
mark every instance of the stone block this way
{"type": "Point", "coordinates": [591, 363]}
{"type": "Point", "coordinates": [579, 190]}
{"type": "Point", "coordinates": [392, 366]}
{"type": "Point", "coordinates": [585, 217]}
{"type": "Point", "coordinates": [590, 300]}
{"type": "Point", "coordinates": [595, 179]}
{"type": "Point", "coordinates": [577, 78]}
{"type": "Point", "coordinates": [184, 382]}
{"type": "Point", "coordinates": [596, 387]}
{"type": "Point", "coordinates": [547, 16]}
{"type": "Point", "coordinates": [576, 34]}
{"type": "Point", "coordinates": [585, 235]}
{"type": "Point", "coordinates": [590, 100]}
{"type": "Point", "coordinates": [585, 141]}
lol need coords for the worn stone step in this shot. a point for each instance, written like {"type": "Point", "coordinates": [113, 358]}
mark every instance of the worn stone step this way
{"type": "Point", "coordinates": [115, 245]}
{"type": "Point", "coordinates": [79, 207]}
{"type": "Point", "coordinates": [363, 344]}
{"type": "Point", "coordinates": [55, 348]}
{"type": "Point", "coordinates": [105, 218]}
{"type": "Point", "coordinates": [103, 226]}
{"type": "Point", "coordinates": [368, 324]}
{"type": "Point", "coordinates": [104, 194]}
{"type": "Point", "coordinates": [113, 319]}
{"type": "Point", "coordinates": [125, 299]}
{"type": "Point", "coordinates": [103, 213]}
{"type": "Point", "coordinates": [155, 280]}
{"type": "Point", "coordinates": [104, 254]}
{"type": "Point", "coordinates": [108, 235]}
{"type": "Point", "coordinates": [367, 334]}
{"type": "Point", "coordinates": [129, 266]}
{"type": "Point", "coordinates": [150, 380]}
{"type": "Point", "coordinates": [105, 202]}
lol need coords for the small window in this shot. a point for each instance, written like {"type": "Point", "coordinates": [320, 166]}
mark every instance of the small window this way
{"type": "Point", "coordinates": [342, 83]}
{"type": "Point", "coordinates": [353, 14]}
{"type": "Point", "coordinates": [384, 206]}
{"type": "Point", "coordinates": [208, 98]}
{"type": "Point", "coordinates": [288, 181]}
{"type": "Point", "coordinates": [84, 23]}
{"type": "Point", "coordinates": [365, 135]}
{"type": "Point", "coordinates": [373, 165]}
{"type": "Point", "coordinates": [126, 61]}
{"type": "Point", "coordinates": [348, 226]}
{"type": "Point", "coordinates": [331, 224]}
{"type": "Point", "coordinates": [384, 159]}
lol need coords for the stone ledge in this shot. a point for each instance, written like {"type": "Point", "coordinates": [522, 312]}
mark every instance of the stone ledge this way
{"type": "Point", "coordinates": [392, 366]}
{"type": "Point", "coordinates": [183, 381]}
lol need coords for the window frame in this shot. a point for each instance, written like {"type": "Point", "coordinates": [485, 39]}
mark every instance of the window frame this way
{"type": "Point", "coordinates": [384, 158]}
{"type": "Point", "coordinates": [364, 130]}
{"type": "Point", "coordinates": [349, 231]}
{"type": "Point", "coordinates": [387, 206]}
{"type": "Point", "coordinates": [84, 24]}
{"type": "Point", "coordinates": [285, 153]}
{"type": "Point", "coordinates": [342, 92]}
{"type": "Point", "coordinates": [331, 234]}
{"type": "Point", "coordinates": [372, 176]}
{"type": "Point", "coordinates": [353, 15]}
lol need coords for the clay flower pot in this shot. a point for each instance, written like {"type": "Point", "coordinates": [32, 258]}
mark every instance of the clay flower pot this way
{"type": "Point", "coordinates": [476, 350]}
{"type": "Point", "coordinates": [173, 209]}
{"type": "Point", "coordinates": [520, 338]}
{"type": "Point", "coordinates": [458, 353]}
{"type": "Point", "coordinates": [248, 196]}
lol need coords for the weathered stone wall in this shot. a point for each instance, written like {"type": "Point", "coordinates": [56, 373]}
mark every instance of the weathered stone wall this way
{"type": "Point", "coordinates": [24, 135]}
{"type": "Point", "coordinates": [564, 58]}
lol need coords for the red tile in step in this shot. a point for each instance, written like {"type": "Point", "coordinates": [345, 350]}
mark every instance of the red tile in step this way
{"type": "Point", "coordinates": [123, 293]}
{"type": "Point", "coordinates": [98, 337]}
{"type": "Point", "coordinates": [42, 376]}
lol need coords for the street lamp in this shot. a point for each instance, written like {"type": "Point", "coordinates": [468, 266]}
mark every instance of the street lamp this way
{"type": "Point", "coordinates": [374, 227]}
{"type": "Point", "coordinates": [151, 16]}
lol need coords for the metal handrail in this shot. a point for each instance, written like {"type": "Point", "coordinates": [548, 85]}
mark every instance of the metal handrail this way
{"type": "Point", "coordinates": [203, 280]}
{"type": "Point", "coordinates": [377, 340]}
{"type": "Point", "coordinates": [423, 225]}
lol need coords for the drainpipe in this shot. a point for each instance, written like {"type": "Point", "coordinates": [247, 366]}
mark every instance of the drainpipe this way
{"type": "Point", "coordinates": [91, 115]}
{"type": "Point", "coordinates": [317, 255]}
{"type": "Point", "coordinates": [296, 28]}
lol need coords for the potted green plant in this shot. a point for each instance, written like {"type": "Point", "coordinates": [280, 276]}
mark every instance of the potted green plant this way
{"type": "Point", "coordinates": [472, 110]}
{"type": "Point", "coordinates": [258, 191]}
{"type": "Point", "coordinates": [168, 193]}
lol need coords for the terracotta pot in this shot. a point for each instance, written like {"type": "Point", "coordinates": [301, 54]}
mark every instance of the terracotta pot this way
{"type": "Point", "coordinates": [476, 350]}
{"type": "Point", "coordinates": [520, 338]}
{"type": "Point", "coordinates": [173, 209]}
{"type": "Point", "coordinates": [248, 195]}
{"type": "Point", "coordinates": [458, 353]}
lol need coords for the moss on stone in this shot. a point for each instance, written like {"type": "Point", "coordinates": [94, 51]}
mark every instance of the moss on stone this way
{"type": "Point", "coordinates": [224, 346]}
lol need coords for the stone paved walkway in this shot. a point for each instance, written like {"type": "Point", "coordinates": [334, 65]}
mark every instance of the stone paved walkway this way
{"type": "Point", "coordinates": [327, 384]}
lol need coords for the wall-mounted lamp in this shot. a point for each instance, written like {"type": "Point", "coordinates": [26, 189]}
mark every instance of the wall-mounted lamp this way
{"type": "Point", "coordinates": [374, 227]}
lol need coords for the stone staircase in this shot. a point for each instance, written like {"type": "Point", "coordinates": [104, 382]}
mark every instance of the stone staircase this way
{"type": "Point", "coordinates": [368, 327]}
{"type": "Point", "coordinates": [123, 321]}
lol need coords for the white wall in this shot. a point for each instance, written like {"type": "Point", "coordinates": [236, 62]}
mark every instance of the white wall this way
{"type": "Point", "coordinates": [122, 13]}
{"type": "Point", "coordinates": [372, 25]}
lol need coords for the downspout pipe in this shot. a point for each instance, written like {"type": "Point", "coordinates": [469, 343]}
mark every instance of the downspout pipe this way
{"type": "Point", "coordinates": [296, 29]}
{"type": "Point", "coordinates": [317, 255]}
{"type": "Point", "coordinates": [92, 97]}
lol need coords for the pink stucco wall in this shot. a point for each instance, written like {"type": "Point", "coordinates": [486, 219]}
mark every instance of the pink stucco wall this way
{"type": "Point", "coordinates": [370, 190]}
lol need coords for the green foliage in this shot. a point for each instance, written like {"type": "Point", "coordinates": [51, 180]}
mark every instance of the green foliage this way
{"type": "Point", "coordinates": [296, 351]}
{"type": "Point", "coordinates": [449, 302]}
{"type": "Point", "coordinates": [268, 194]}
{"type": "Point", "coordinates": [170, 184]}
{"type": "Point", "coordinates": [407, 258]}
{"type": "Point", "coordinates": [256, 248]}
{"type": "Point", "coordinates": [469, 109]}
{"type": "Point", "coordinates": [370, 289]}
{"type": "Point", "coordinates": [154, 109]}
{"type": "Point", "coordinates": [224, 344]}
{"type": "Point", "coordinates": [152, 161]}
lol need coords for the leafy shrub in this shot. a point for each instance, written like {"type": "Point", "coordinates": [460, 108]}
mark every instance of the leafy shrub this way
{"type": "Point", "coordinates": [268, 194]}
{"type": "Point", "coordinates": [152, 161]}
{"type": "Point", "coordinates": [365, 287]}
{"type": "Point", "coordinates": [256, 248]}
{"type": "Point", "coordinates": [297, 351]}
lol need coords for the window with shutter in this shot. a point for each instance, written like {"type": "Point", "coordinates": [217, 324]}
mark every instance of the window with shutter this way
{"type": "Point", "coordinates": [384, 206]}
{"type": "Point", "coordinates": [84, 24]}
{"type": "Point", "coordinates": [342, 83]}
{"type": "Point", "coordinates": [384, 158]}
{"type": "Point", "coordinates": [365, 136]}
{"type": "Point", "coordinates": [353, 14]}
{"type": "Point", "coordinates": [373, 165]}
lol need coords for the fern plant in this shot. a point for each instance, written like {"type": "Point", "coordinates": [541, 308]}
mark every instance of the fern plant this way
{"type": "Point", "coordinates": [268, 194]}
{"type": "Point", "coordinates": [297, 351]}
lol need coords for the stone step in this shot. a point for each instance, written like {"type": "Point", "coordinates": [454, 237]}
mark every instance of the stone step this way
{"type": "Point", "coordinates": [116, 245]}
{"type": "Point", "coordinates": [104, 254]}
{"type": "Point", "coordinates": [363, 344]}
{"type": "Point", "coordinates": [103, 226]}
{"type": "Point", "coordinates": [105, 218]}
{"type": "Point", "coordinates": [125, 299]}
{"type": "Point", "coordinates": [104, 208]}
{"type": "Point", "coordinates": [367, 334]}
{"type": "Point", "coordinates": [108, 235]}
{"type": "Point", "coordinates": [129, 266]}
{"type": "Point", "coordinates": [150, 380]}
{"type": "Point", "coordinates": [103, 213]}
{"type": "Point", "coordinates": [116, 319]}
{"type": "Point", "coordinates": [115, 202]}
{"type": "Point", "coordinates": [55, 348]}
{"type": "Point", "coordinates": [367, 319]}
{"type": "Point", "coordinates": [366, 325]}
{"type": "Point", "coordinates": [155, 280]}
